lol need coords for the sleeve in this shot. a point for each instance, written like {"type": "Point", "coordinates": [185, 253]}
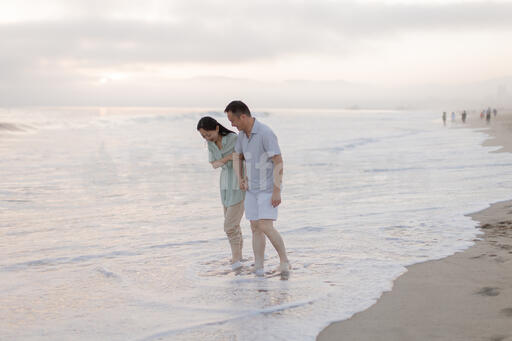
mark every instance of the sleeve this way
{"type": "Point", "coordinates": [238, 145]}
{"type": "Point", "coordinates": [231, 141]}
{"type": "Point", "coordinates": [211, 155]}
{"type": "Point", "coordinates": [270, 144]}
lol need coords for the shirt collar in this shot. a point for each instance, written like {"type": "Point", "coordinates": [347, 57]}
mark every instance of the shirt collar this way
{"type": "Point", "coordinates": [255, 127]}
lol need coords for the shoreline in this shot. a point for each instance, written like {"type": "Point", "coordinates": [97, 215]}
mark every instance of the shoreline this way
{"type": "Point", "coordinates": [466, 296]}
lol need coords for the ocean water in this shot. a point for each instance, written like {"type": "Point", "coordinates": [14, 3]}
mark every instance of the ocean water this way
{"type": "Point", "coordinates": [111, 223]}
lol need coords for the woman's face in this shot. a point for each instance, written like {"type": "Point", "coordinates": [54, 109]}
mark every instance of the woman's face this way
{"type": "Point", "coordinates": [210, 135]}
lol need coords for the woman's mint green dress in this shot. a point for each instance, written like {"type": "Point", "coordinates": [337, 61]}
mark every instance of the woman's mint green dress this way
{"type": "Point", "coordinates": [230, 192]}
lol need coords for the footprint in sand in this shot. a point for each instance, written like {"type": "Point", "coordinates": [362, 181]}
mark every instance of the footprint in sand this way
{"type": "Point", "coordinates": [499, 337]}
{"type": "Point", "coordinates": [488, 291]}
{"type": "Point", "coordinates": [507, 312]}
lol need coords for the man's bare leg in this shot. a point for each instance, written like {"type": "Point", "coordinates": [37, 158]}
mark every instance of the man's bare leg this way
{"type": "Point", "coordinates": [267, 227]}
{"type": "Point", "coordinates": [258, 244]}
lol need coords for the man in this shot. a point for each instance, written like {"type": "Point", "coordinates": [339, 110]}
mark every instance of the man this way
{"type": "Point", "coordinates": [257, 145]}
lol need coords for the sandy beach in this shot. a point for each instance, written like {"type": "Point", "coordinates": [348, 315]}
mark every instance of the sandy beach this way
{"type": "Point", "coordinates": [467, 296]}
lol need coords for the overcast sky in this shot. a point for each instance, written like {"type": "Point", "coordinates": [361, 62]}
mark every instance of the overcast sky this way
{"type": "Point", "coordinates": [99, 52]}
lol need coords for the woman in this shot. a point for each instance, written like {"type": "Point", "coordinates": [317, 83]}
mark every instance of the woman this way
{"type": "Point", "coordinates": [221, 145]}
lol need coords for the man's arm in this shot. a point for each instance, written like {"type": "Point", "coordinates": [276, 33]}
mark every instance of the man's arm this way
{"type": "Point", "coordinates": [278, 179]}
{"type": "Point", "coordinates": [238, 168]}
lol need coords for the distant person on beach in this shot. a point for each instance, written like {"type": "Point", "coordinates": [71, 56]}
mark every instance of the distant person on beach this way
{"type": "Point", "coordinates": [453, 116]}
{"type": "Point", "coordinates": [257, 145]}
{"type": "Point", "coordinates": [495, 112]}
{"type": "Point", "coordinates": [482, 114]}
{"type": "Point", "coordinates": [444, 117]}
{"type": "Point", "coordinates": [464, 115]}
{"type": "Point", "coordinates": [221, 144]}
{"type": "Point", "coordinates": [488, 116]}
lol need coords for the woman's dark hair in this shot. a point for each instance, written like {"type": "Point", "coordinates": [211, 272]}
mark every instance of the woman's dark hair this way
{"type": "Point", "coordinates": [209, 123]}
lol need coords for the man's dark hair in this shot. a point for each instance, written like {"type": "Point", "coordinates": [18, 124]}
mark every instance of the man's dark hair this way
{"type": "Point", "coordinates": [238, 108]}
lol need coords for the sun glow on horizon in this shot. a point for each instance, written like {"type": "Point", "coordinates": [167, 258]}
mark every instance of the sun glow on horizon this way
{"type": "Point", "coordinates": [115, 76]}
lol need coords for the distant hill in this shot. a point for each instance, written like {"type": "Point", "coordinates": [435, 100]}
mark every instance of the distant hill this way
{"type": "Point", "coordinates": [217, 91]}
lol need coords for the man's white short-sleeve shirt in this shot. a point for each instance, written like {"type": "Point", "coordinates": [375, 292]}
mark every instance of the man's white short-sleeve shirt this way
{"type": "Point", "coordinates": [258, 151]}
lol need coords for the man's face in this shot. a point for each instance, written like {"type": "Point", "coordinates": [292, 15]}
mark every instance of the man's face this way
{"type": "Point", "coordinates": [236, 121]}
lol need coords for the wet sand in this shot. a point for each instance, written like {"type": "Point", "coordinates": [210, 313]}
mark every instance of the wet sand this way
{"type": "Point", "coordinates": [467, 296]}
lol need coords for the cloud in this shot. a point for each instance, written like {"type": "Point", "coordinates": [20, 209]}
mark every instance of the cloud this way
{"type": "Point", "coordinates": [61, 49]}
{"type": "Point", "coordinates": [225, 32]}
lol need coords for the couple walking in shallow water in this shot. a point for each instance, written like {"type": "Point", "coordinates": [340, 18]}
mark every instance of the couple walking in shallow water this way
{"type": "Point", "coordinates": [251, 179]}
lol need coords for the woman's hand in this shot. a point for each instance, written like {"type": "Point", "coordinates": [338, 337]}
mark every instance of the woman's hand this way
{"type": "Point", "coordinates": [217, 164]}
